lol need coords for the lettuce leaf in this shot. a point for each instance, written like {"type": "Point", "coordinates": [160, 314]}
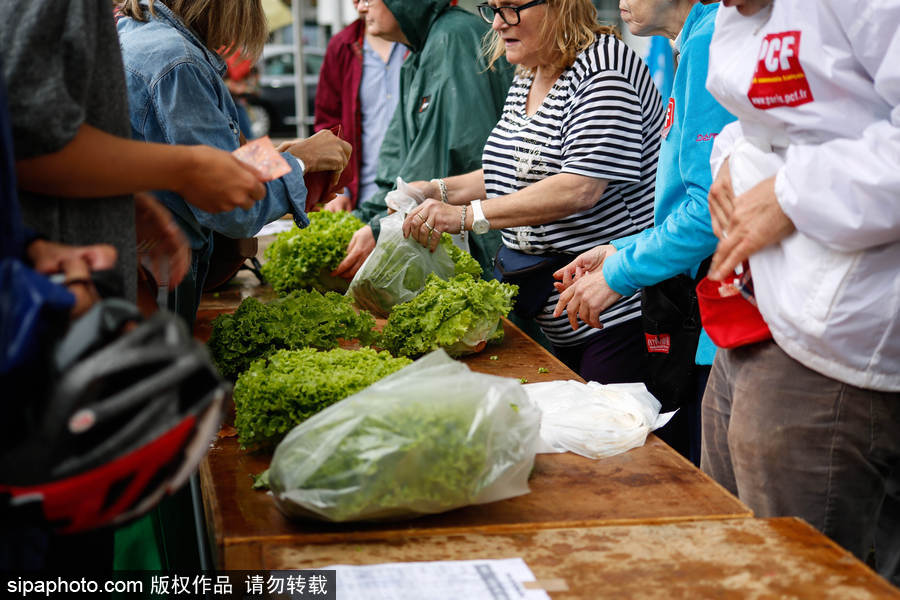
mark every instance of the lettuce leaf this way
{"type": "Point", "coordinates": [303, 258]}
{"type": "Point", "coordinates": [302, 319]}
{"type": "Point", "coordinates": [459, 315]}
{"type": "Point", "coordinates": [286, 388]}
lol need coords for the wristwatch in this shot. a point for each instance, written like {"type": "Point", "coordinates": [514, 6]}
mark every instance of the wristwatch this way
{"type": "Point", "coordinates": [480, 225]}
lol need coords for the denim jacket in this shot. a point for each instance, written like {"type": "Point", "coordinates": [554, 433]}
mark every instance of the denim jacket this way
{"type": "Point", "coordinates": [176, 95]}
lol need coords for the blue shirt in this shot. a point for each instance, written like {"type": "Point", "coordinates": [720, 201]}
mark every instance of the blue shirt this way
{"type": "Point", "coordinates": [379, 92]}
{"type": "Point", "coordinates": [176, 95]}
{"type": "Point", "coordinates": [682, 235]}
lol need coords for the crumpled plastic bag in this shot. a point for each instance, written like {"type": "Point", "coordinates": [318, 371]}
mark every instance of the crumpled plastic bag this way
{"type": "Point", "coordinates": [404, 198]}
{"type": "Point", "coordinates": [592, 419]}
{"type": "Point", "coordinates": [429, 438]}
{"type": "Point", "coordinates": [396, 269]}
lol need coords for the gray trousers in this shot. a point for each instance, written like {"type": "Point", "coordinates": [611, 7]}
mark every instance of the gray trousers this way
{"type": "Point", "coordinates": [789, 441]}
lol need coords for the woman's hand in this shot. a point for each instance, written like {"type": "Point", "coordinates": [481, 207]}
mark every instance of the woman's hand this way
{"type": "Point", "coordinates": [584, 291]}
{"type": "Point", "coordinates": [721, 201]}
{"type": "Point", "coordinates": [160, 240]}
{"type": "Point", "coordinates": [358, 250]}
{"type": "Point", "coordinates": [426, 222]}
{"type": "Point", "coordinates": [429, 189]}
{"type": "Point", "coordinates": [215, 181]}
{"type": "Point", "coordinates": [583, 263]}
{"type": "Point", "coordinates": [586, 299]}
{"type": "Point", "coordinates": [756, 221]}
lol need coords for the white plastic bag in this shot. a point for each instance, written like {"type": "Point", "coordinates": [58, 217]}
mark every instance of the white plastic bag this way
{"type": "Point", "coordinates": [592, 419]}
{"type": "Point", "coordinates": [429, 438]}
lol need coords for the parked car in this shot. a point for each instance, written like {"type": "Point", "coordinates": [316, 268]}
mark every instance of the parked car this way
{"type": "Point", "coordinates": [271, 108]}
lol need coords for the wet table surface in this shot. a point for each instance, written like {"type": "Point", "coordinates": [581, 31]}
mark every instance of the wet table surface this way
{"type": "Point", "coordinates": [735, 558]}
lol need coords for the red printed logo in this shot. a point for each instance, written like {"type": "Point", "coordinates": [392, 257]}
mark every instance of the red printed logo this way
{"type": "Point", "coordinates": [779, 79]}
{"type": "Point", "coordinates": [658, 343]}
{"type": "Point", "coordinates": [670, 118]}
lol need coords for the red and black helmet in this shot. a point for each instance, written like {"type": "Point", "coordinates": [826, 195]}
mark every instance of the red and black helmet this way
{"type": "Point", "coordinates": [128, 420]}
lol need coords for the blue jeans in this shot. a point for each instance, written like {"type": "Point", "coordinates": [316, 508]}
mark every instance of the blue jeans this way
{"type": "Point", "coordinates": [789, 441]}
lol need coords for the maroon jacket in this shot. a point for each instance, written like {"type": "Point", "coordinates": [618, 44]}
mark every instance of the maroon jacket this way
{"type": "Point", "coordinates": [337, 94]}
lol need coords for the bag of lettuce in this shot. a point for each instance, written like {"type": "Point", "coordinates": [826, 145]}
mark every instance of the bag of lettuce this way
{"type": "Point", "coordinates": [429, 438]}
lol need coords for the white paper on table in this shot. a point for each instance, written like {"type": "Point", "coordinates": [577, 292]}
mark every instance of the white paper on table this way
{"type": "Point", "coordinates": [592, 419]}
{"type": "Point", "coordinates": [489, 579]}
{"type": "Point", "coordinates": [279, 226]}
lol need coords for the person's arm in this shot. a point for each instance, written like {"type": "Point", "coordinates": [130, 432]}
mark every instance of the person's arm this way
{"type": "Point", "coordinates": [855, 181]}
{"type": "Point", "coordinates": [187, 105]}
{"type": "Point", "coordinates": [595, 125]}
{"type": "Point", "coordinates": [685, 237]}
{"type": "Point", "coordinates": [461, 189]}
{"type": "Point", "coordinates": [95, 163]}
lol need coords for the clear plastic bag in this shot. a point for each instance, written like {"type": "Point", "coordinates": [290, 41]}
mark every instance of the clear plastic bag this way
{"type": "Point", "coordinates": [396, 269]}
{"type": "Point", "coordinates": [404, 198]}
{"type": "Point", "coordinates": [429, 438]}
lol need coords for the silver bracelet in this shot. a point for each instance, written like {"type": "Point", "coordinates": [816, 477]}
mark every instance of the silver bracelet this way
{"type": "Point", "coordinates": [443, 188]}
{"type": "Point", "coordinates": [462, 220]}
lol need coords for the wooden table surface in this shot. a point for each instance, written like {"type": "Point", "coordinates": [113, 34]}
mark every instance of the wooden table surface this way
{"type": "Point", "coordinates": [735, 558]}
{"type": "Point", "coordinates": [651, 484]}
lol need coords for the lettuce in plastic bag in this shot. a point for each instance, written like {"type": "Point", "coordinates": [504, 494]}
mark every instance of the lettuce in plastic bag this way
{"type": "Point", "coordinates": [304, 258]}
{"type": "Point", "coordinates": [299, 320]}
{"type": "Point", "coordinates": [397, 268]}
{"type": "Point", "coordinates": [460, 315]}
{"type": "Point", "coordinates": [431, 437]}
{"type": "Point", "coordinates": [278, 392]}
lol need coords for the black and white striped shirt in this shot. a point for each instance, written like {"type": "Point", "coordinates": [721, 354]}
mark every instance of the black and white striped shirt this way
{"type": "Point", "coordinates": [601, 119]}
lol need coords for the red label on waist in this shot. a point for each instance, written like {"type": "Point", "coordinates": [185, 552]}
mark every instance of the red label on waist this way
{"type": "Point", "coordinates": [779, 79]}
{"type": "Point", "coordinates": [658, 343]}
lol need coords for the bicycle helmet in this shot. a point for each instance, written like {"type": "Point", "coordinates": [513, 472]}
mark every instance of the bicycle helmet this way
{"type": "Point", "coordinates": [127, 421]}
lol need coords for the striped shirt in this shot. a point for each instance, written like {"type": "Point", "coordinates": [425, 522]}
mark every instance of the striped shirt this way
{"type": "Point", "coordinates": [602, 118]}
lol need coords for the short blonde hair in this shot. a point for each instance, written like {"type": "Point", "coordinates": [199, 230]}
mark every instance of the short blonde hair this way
{"type": "Point", "coordinates": [225, 26]}
{"type": "Point", "coordinates": [570, 27]}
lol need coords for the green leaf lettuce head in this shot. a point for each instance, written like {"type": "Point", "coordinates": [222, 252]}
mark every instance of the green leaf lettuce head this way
{"type": "Point", "coordinates": [288, 387]}
{"type": "Point", "coordinates": [458, 315]}
{"type": "Point", "coordinates": [302, 319]}
{"type": "Point", "coordinates": [432, 437]}
{"type": "Point", "coordinates": [303, 258]}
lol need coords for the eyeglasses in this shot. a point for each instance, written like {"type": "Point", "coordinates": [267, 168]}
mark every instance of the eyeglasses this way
{"type": "Point", "coordinates": [366, 3]}
{"type": "Point", "coordinates": [509, 14]}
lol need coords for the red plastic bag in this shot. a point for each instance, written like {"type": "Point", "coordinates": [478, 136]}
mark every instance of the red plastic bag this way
{"type": "Point", "coordinates": [730, 320]}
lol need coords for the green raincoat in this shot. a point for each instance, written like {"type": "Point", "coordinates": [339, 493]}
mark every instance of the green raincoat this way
{"type": "Point", "coordinates": [449, 103]}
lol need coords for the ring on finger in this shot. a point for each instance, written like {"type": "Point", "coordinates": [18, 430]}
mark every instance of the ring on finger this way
{"type": "Point", "coordinates": [424, 220]}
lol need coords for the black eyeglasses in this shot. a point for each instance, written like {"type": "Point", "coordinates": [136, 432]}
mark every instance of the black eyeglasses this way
{"type": "Point", "coordinates": [509, 14]}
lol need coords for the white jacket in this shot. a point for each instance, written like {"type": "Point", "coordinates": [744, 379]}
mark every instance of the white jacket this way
{"type": "Point", "coordinates": [819, 81]}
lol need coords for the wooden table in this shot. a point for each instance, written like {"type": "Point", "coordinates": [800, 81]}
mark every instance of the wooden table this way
{"type": "Point", "coordinates": [651, 484]}
{"type": "Point", "coordinates": [735, 558]}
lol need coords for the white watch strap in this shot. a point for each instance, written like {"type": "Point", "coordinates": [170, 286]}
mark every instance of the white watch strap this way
{"type": "Point", "coordinates": [477, 212]}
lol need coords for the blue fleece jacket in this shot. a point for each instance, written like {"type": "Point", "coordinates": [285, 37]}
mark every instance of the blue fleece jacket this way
{"type": "Point", "coordinates": [682, 233]}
